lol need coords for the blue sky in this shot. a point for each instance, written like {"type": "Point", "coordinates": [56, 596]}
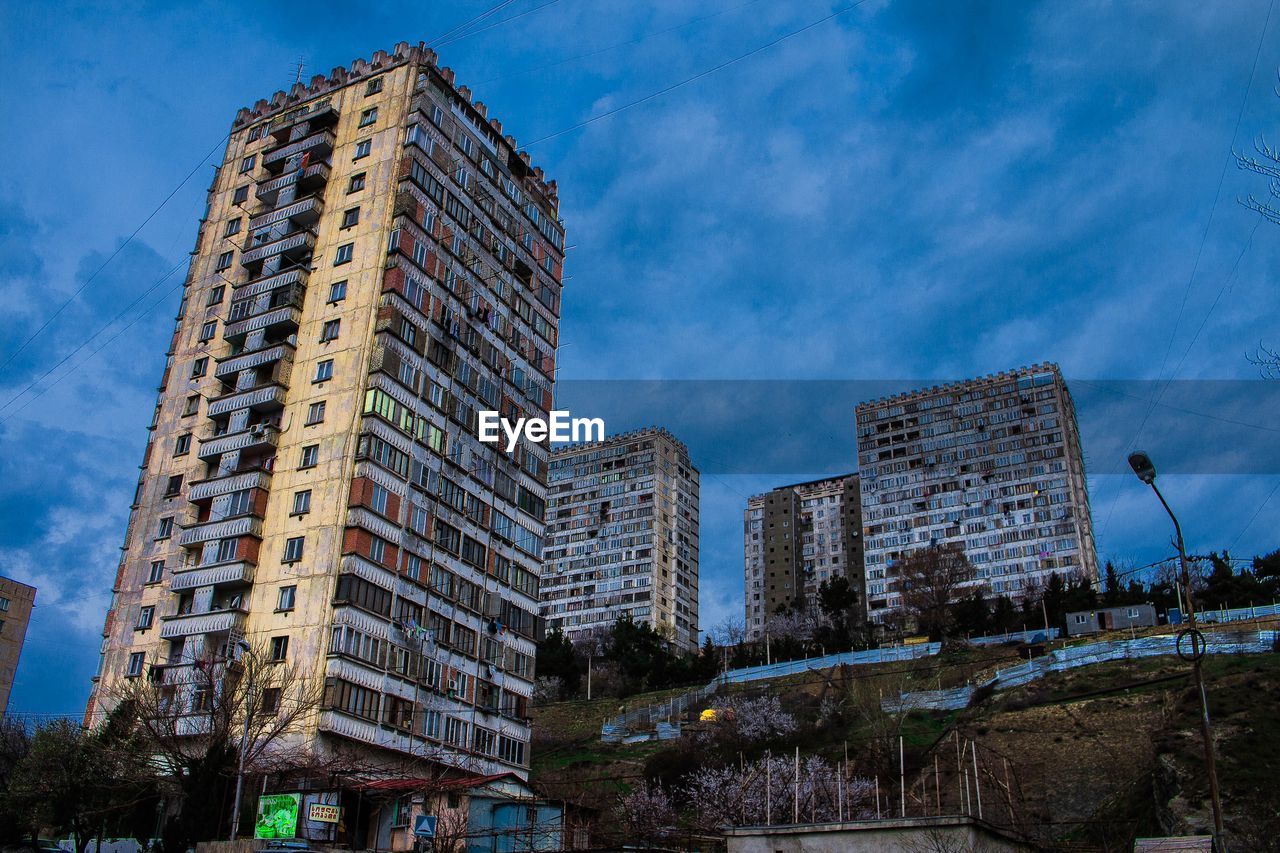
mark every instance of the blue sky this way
{"type": "Point", "coordinates": [911, 191]}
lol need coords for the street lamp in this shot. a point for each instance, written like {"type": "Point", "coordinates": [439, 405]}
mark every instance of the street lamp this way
{"type": "Point", "coordinates": [1146, 471]}
{"type": "Point", "coordinates": [243, 647]}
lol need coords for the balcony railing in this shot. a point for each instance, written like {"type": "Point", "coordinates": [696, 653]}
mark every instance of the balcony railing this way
{"type": "Point", "coordinates": [303, 212]}
{"type": "Point", "coordinates": [256, 437]}
{"type": "Point", "coordinates": [284, 315]}
{"type": "Point", "coordinates": [225, 529]}
{"type": "Point", "coordinates": [240, 572]}
{"type": "Point", "coordinates": [229, 367]}
{"type": "Point", "coordinates": [297, 275]}
{"type": "Point", "coordinates": [191, 624]}
{"type": "Point", "coordinates": [302, 242]}
{"type": "Point", "coordinates": [259, 399]}
{"type": "Point", "coordinates": [205, 489]}
{"type": "Point", "coordinates": [320, 112]}
{"type": "Point", "coordinates": [312, 177]}
{"type": "Point", "coordinates": [319, 144]}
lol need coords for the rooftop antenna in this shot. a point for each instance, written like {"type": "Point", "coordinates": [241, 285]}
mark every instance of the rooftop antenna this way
{"type": "Point", "coordinates": [297, 74]}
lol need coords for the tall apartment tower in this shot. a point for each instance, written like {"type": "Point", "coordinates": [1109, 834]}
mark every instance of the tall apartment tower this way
{"type": "Point", "coordinates": [622, 536]}
{"type": "Point", "coordinates": [16, 601]}
{"type": "Point", "coordinates": [794, 538]}
{"type": "Point", "coordinates": [377, 263]}
{"type": "Point", "coordinates": [993, 464]}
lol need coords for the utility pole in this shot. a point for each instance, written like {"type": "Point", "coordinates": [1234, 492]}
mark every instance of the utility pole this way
{"type": "Point", "coordinates": [1146, 471]}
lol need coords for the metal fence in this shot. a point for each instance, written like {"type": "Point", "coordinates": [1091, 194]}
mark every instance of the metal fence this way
{"type": "Point", "coordinates": [1227, 614]}
{"type": "Point", "coordinates": [1032, 636]}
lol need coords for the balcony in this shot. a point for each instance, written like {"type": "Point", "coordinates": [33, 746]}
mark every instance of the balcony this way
{"type": "Point", "coordinates": [311, 178]}
{"type": "Point", "coordinates": [304, 212]}
{"type": "Point", "coordinates": [206, 489]}
{"type": "Point", "coordinates": [319, 145]}
{"type": "Point", "coordinates": [192, 624]}
{"type": "Point", "coordinates": [229, 367]}
{"type": "Point", "coordinates": [256, 437]}
{"type": "Point", "coordinates": [236, 332]}
{"type": "Point", "coordinates": [237, 573]}
{"type": "Point", "coordinates": [267, 399]}
{"type": "Point", "coordinates": [210, 530]}
{"type": "Point", "coordinates": [321, 113]}
{"type": "Point", "coordinates": [253, 288]}
{"type": "Point", "coordinates": [293, 246]}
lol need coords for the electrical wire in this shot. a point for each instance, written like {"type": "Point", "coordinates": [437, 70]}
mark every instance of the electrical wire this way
{"type": "Point", "coordinates": [459, 31]}
{"type": "Point", "coordinates": [495, 24]}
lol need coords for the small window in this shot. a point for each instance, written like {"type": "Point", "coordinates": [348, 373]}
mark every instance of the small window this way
{"type": "Point", "coordinates": [302, 502]}
{"type": "Point", "coordinates": [279, 648]}
{"type": "Point", "coordinates": [338, 291]}
{"type": "Point", "coordinates": [357, 183]}
{"type": "Point", "coordinates": [270, 700]}
{"type": "Point", "coordinates": [363, 147]}
{"type": "Point", "coordinates": [241, 195]}
{"type": "Point", "coordinates": [247, 164]}
{"type": "Point", "coordinates": [224, 261]}
{"type": "Point", "coordinates": [156, 573]}
{"type": "Point", "coordinates": [208, 330]}
{"type": "Point", "coordinates": [136, 661]}
{"type": "Point", "coordinates": [182, 444]}
{"type": "Point", "coordinates": [310, 456]}
{"type": "Point", "coordinates": [351, 218]}
{"type": "Point", "coordinates": [315, 413]}
{"type": "Point", "coordinates": [146, 616]}
{"type": "Point", "coordinates": [191, 406]}
{"type": "Point", "coordinates": [374, 87]}
{"type": "Point", "coordinates": [199, 367]}
{"type": "Point", "coordinates": [233, 227]}
{"type": "Point", "coordinates": [293, 549]}
{"type": "Point", "coordinates": [216, 294]}
{"type": "Point", "coordinates": [287, 595]}
{"type": "Point", "coordinates": [369, 116]}
{"type": "Point", "coordinates": [324, 370]}
{"type": "Point", "coordinates": [344, 254]}
{"type": "Point", "coordinates": [166, 528]}
{"type": "Point", "coordinates": [464, 142]}
{"type": "Point", "coordinates": [255, 132]}
{"type": "Point", "coordinates": [378, 499]}
{"type": "Point", "coordinates": [330, 330]}
{"type": "Point", "coordinates": [228, 549]}
{"type": "Point", "coordinates": [377, 550]}
{"type": "Point", "coordinates": [174, 486]}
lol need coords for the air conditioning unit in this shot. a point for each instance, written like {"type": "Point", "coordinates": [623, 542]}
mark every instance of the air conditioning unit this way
{"type": "Point", "coordinates": [259, 430]}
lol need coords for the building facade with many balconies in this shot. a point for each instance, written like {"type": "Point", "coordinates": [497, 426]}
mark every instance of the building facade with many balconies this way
{"type": "Point", "coordinates": [993, 465]}
{"type": "Point", "coordinates": [795, 538]}
{"type": "Point", "coordinates": [622, 536]}
{"type": "Point", "coordinates": [377, 263]}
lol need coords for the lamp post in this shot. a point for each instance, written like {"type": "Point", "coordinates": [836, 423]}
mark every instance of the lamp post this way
{"type": "Point", "coordinates": [244, 648]}
{"type": "Point", "coordinates": [1146, 471]}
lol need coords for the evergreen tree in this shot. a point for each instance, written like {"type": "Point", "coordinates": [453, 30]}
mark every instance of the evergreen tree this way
{"type": "Point", "coordinates": [556, 659]}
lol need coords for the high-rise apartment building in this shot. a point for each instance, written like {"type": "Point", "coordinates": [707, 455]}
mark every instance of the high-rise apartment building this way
{"type": "Point", "coordinates": [377, 263]}
{"type": "Point", "coordinates": [16, 601]}
{"type": "Point", "coordinates": [992, 464]}
{"type": "Point", "coordinates": [795, 538]}
{"type": "Point", "coordinates": [622, 536]}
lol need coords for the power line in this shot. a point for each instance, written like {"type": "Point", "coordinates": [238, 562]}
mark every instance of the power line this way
{"type": "Point", "coordinates": [705, 73]}
{"type": "Point", "coordinates": [491, 26]}
{"type": "Point", "coordinates": [1255, 515]}
{"type": "Point", "coordinates": [460, 30]}
{"type": "Point", "coordinates": [118, 250]}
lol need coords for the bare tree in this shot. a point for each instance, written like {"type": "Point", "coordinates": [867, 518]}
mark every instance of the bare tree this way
{"type": "Point", "coordinates": [930, 581]}
{"type": "Point", "coordinates": [1265, 160]}
{"type": "Point", "coordinates": [646, 812]}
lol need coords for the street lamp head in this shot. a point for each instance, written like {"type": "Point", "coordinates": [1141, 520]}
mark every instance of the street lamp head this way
{"type": "Point", "coordinates": [242, 646]}
{"type": "Point", "coordinates": [1142, 466]}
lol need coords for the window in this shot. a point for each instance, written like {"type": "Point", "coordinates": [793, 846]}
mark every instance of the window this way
{"type": "Point", "coordinates": [208, 330]}
{"type": "Point", "coordinates": [363, 147]}
{"type": "Point", "coordinates": [310, 456]}
{"type": "Point", "coordinates": [302, 502]}
{"type": "Point", "coordinates": [329, 331]}
{"type": "Point", "coordinates": [338, 291]}
{"type": "Point", "coordinates": [293, 549]}
{"type": "Point", "coordinates": [255, 132]}
{"type": "Point", "coordinates": [146, 616]}
{"type": "Point", "coordinates": [413, 566]}
{"type": "Point", "coordinates": [377, 550]}
{"type": "Point", "coordinates": [156, 572]}
{"type": "Point", "coordinates": [199, 367]}
{"type": "Point", "coordinates": [247, 164]}
{"type": "Point", "coordinates": [464, 142]}
{"type": "Point", "coordinates": [233, 227]}
{"type": "Point", "coordinates": [4, 604]}
{"type": "Point", "coordinates": [378, 498]}
{"type": "Point", "coordinates": [287, 596]}
{"type": "Point", "coordinates": [135, 664]}
{"type": "Point", "coordinates": [374, 87]}
{"type": "Point", "coordinates": [369, 116]}
{"type": "Point", "coordinates": [279, 648]}
{"type": "Point", "coordinates": [324, 370]}
{"type": "Point", "coordinates": [270, 700]}
{"type": "Point", "coordinates": [240, 503]}
{"type": "Point", "coordinates": [356, 184]}
{"type": "Point", "coordinates": [344, 254]}
{"type": "Point", "coordinates": [241, 195]}
{"type": "Point", "coordinates": [182, 445]}
{"type": "Point", "coordinates": [351, 218]}
{"type": "Point", "coordinates": [174, 486]}
{"type": "Point", "coordinates": [216, 295]}
{"type": "Point", "coordinates": [227, 550]}
{"type": "Point", "coordinates": [315, 413]}
{"type": "Point", "coordinates": [224, 261]}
